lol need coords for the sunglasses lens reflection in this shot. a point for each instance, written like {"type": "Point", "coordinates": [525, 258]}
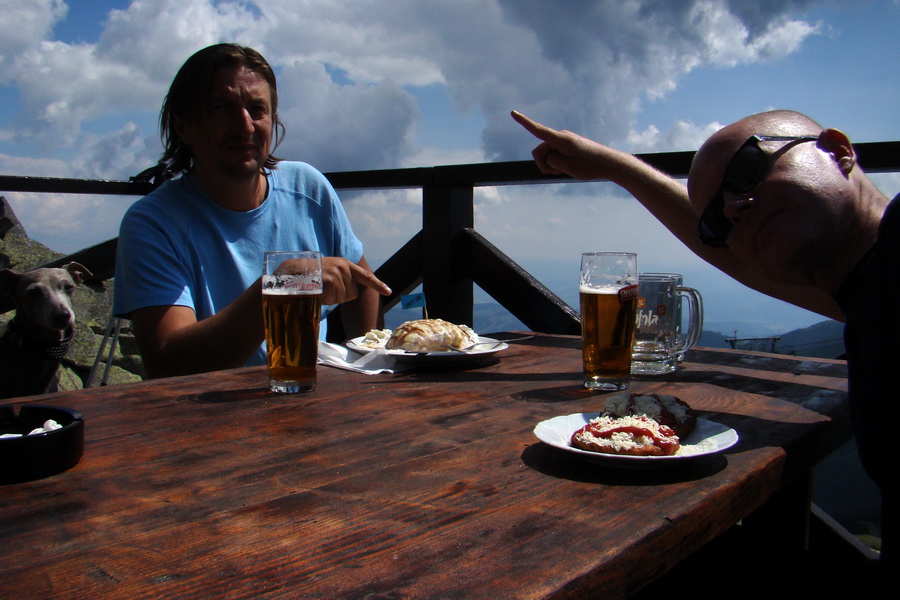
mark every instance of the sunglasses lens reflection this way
{"type": "Point", "coordinates": [747, 169]}
{"type": "Point", "coordinates": [714, 227]}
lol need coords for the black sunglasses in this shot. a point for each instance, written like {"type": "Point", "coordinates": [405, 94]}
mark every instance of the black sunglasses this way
{"type": "Point", "coordinates": [747, 168]}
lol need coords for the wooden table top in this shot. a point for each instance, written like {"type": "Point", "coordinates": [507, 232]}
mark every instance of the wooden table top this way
{"type": "Point", "coordinates": [424, 484]}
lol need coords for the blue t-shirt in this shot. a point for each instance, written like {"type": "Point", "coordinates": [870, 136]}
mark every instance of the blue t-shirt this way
{"type": "Point", "coordinates": [177, 247]}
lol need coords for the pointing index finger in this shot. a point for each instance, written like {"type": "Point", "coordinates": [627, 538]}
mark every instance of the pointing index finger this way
{"type": "Point", "coordinates": [368, 279]}
{"type": "Point", "coordinates": [542, 132]}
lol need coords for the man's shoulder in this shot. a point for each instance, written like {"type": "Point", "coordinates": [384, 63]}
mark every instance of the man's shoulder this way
{"type": "Point", "coordinates": [302, 181]}
{"type": "Point", "coordinates": [172, 190]}
{"type": "Point", "coordinates": [172, 201]}
{"type": "Point", "coordinates": [300, 176]}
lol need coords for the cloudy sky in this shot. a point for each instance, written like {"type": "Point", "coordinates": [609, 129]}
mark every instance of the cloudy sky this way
{"type": "Point", "coordinates": [369, 84]}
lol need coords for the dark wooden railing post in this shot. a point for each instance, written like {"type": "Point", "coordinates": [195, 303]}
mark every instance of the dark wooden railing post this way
{"type": "Point", "coordinates": [446, 211]}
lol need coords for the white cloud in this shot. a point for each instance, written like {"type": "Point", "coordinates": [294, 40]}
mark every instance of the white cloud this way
{"type": "Point", "coordinates": [66, 86]}
{"type": "Point", "coordinates": [585, 64]}
{"type": "Point", "coordinates": [370, 41]}
{"type": "Point", "coordinates": [681, 136]}
{"type": "Point", "coordinates": [152, 38]}
{"type": "Point", "coordinates": [604, 58]}
{"type": "Point", "coordinates": [343, 127]}
{"type": "Point", "coordinates": [90, 109]}
{"type": "Point", "coordinates": [33, 167]}
{"type": "Point", "coordinates": [23, 26]}
{"type": "Point", "coordinates": [64, 222]}
{"type": "Point", "coordinates": [384, 219]}
{"type": "Point", "coordinates": [731, 41]}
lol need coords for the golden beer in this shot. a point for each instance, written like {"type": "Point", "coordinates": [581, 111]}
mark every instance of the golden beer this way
{"type": "Point", "coordinates": [292, 338]}
{"type": "Point", "coordinates": [607, 333]}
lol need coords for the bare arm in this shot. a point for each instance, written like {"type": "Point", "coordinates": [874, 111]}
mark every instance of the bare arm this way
{"type": "Point", "coordinates": [173, 342]}
{"type": "Point", "coordinates": [563, 152]}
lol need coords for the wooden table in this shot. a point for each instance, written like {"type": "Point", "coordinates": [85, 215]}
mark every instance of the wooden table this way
{"type": "Point", "coordinates": [427, 484]}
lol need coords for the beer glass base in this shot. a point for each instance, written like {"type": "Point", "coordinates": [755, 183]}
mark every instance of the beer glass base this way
{"type": "Point", "coordinates": [605, 386]}
{"type": "Point", "coordinates": [291, 387]}
{"type": "Point", "coordinates": [652, 368]}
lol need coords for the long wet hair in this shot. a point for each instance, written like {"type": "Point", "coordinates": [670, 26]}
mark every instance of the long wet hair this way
{"type": "Point", "coordinates": [189, 91]}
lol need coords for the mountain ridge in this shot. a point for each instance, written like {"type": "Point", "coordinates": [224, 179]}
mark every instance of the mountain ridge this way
{"type": "Point", "coordinates": [821, 340]}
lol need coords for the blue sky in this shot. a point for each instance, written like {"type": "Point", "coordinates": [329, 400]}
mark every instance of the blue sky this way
{"type": "Point", "coordinates": [847, 75]}
{"type": "Point", "coordinates": [375, 84]}
{"type": "Point", "coordinates": [84, 20]}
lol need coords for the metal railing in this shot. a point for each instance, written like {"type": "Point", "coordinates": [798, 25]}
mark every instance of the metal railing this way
{"type": "Point", "coordinates": [448, 256]}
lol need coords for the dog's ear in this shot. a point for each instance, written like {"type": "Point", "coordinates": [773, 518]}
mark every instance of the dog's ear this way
{"type": "Point", "coordinates": [78, 272]}
{"type": "Point", "coordinates": [9, 279]}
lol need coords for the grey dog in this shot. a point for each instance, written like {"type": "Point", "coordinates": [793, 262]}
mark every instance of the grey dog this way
{"type": "Point", "coordinates": [34, 342]}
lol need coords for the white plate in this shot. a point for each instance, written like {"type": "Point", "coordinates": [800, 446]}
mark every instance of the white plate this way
{"type": "Point", "coordinates": [708, 437]}
{"type": "Point", "coordinates": [486, 346]}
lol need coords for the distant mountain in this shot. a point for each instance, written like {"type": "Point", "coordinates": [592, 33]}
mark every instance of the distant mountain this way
{"type": "Point", "coordinates": [822, 340]}
{"type": "Point", "coordinates": [713, 339]}
{"type": "Point", "coordinates": [489, 318]}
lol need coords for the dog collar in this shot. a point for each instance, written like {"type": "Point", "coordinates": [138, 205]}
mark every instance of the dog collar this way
{"type": "Point", "coordinates": [55, 350]}
{"type": "Point", "coordinates": [58, 349]}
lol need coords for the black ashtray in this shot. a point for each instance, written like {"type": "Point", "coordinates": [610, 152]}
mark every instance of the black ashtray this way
{"type": "Point", "coordinates": [40, 454]}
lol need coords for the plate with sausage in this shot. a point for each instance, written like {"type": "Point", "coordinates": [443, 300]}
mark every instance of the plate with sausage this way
{"type": "Point", "coordinates": [706, 438]}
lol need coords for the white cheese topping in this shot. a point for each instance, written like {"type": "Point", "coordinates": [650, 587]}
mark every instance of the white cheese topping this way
{"type": "Point", "coordinates": [623, 440]}
{"type": "Point", "coordinates": [376, 338]}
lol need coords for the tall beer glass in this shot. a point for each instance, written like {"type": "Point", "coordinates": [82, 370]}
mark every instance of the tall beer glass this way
{"type": "Point", "coordinates": [292, 303]}
{"type": "Point", "coordinates": [608, 294]}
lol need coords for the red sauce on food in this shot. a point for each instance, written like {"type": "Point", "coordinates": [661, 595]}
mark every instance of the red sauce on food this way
{"type": "Point", "coordinates": [666, 446]}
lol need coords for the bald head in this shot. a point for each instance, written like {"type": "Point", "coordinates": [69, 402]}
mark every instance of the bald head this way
{"type": "Point", "coordinates": [795, 210]}
{"type": "Point", "coordinates": [711, 160]}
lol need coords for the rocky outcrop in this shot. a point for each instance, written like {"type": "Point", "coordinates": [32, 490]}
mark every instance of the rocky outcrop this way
{"type": "Point", "coordinates": [93, 308]}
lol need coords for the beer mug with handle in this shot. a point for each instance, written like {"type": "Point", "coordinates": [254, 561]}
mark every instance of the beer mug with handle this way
{"type": "Point", "coordinates": [679, 319]}
{"type": "Point", "coordinates": [657, 339]}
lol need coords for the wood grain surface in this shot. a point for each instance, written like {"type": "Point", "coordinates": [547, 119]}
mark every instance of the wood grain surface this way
{"type": "Point", "coordinates": [422, 484]}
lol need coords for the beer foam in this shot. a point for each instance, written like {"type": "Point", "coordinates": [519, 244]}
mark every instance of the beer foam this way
{"type": "Point", "coordinates": [599, 289]}
{"type": "Point", "coordinates": [294, 285]}
{"type": "Point", "coordinates": [291, 292]}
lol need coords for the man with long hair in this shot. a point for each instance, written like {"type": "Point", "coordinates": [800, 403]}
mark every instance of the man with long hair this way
{"type": "Point", "coordinates": [190, 253]}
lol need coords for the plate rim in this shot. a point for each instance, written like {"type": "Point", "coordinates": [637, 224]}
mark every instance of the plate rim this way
{"type": "Point", "coordinates": [624, 459]}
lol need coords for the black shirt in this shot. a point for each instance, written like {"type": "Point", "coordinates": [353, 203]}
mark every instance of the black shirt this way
{"type": "Point", "coordinates": [870, 299]}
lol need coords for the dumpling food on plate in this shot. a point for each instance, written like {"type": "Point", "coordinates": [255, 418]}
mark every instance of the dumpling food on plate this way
{"type": "Point", "coordinates": [431, 335]}
{"type": "Point", "coordinates": [665, 410]}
